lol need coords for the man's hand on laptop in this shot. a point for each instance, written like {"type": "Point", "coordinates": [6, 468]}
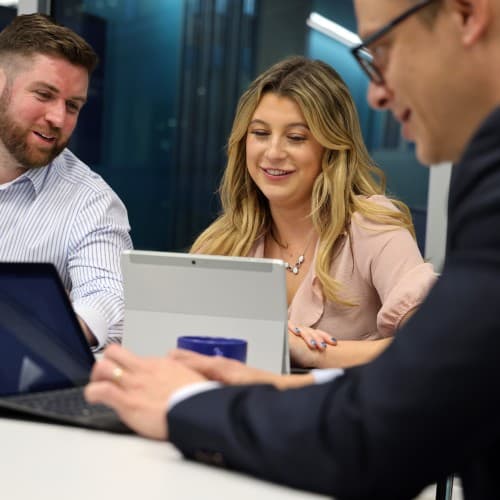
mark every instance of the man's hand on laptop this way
{"type": "Point", "coordinates": [138, 388]}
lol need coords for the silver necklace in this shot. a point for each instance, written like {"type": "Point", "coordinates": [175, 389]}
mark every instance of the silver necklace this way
{"type": "Point", "coordinates": [300, 260]}
{"type": "Point", "coordinates": [295, 269]}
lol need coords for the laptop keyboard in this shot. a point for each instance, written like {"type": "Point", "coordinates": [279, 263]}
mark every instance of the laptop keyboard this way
{"type": "Point", "coordinates": [67, 402]}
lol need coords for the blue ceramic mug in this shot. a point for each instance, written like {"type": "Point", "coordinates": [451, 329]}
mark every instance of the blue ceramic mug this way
{"type": "Point", "coordinates": [215, 346]}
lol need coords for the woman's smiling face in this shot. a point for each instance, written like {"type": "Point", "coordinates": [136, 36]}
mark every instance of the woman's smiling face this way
{"type": "Point", "coordinates": [283, 158]}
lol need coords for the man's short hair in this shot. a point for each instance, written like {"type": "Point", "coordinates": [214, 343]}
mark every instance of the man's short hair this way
{"type": "Point", "coordinates": [32, 34]}
{"type": "Point", "coordinates": [428, 14]}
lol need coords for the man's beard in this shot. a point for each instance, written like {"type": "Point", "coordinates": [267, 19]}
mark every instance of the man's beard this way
{"type": "Point", "coordinates": [14, 137]}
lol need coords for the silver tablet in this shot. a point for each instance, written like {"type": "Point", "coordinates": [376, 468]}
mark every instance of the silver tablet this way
{"type": "Point", "coordinates": [172, 294]}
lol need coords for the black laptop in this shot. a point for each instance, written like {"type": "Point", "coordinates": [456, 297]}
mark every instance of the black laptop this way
{"type": "Point", "coordinates": [45, 360]}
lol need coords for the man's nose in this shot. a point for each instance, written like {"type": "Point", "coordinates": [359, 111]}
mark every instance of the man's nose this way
{"type": "Point", "coordinates": [56, 114]}
{"type": "Point", "coordinates": [378, 95]}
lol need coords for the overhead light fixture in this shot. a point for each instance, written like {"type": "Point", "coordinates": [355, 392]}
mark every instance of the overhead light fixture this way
{"type": "Point", "coordinates": [333, 30]}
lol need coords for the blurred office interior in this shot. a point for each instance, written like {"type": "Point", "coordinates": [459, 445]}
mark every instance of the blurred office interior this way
{"type": "Point", "coordinates": [162, 100]}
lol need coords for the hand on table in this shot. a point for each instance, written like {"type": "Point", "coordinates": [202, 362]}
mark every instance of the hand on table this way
{"type": "Point", "coordinates": [138, 388]}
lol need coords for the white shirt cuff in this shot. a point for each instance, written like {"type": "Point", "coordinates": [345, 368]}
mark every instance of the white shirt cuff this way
{"type": "Point", "coordinates": [191, 390]}
{"type": "Point", "coordinates": [95, 321]}
{"type": "Point", "coordinates": [326, 375]}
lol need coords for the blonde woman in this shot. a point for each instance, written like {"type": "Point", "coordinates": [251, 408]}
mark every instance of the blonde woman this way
{"type": "Point", "coordinates": [300, 186]}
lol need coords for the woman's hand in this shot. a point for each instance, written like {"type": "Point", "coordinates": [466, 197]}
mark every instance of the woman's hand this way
{"type": "Point", "coordinates": [301, 354]}
{"type": "Point", "coordinates": [314, 338]}
{"type": "Point", "coordinates": [344, 354]}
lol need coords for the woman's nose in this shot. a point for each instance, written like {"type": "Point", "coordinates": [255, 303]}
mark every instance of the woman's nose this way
{"type": "Point", "coordinates": [275, 149]}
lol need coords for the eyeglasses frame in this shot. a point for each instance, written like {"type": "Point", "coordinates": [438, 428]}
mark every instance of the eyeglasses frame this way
{"type": "Point", "coordinates": [373, 73]}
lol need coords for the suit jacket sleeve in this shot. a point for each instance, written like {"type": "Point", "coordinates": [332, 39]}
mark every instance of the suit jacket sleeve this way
{"type": "Point", "coordinates": [427, 406]}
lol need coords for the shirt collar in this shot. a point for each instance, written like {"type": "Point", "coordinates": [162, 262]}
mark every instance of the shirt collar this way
{"type": "Point", "coordinates": [37, 177]}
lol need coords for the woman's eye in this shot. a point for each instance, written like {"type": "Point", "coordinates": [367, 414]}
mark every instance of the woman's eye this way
{"type": "Point", "coordinates": [259, 133]}
{"type": "Point", "coordinates": [296, 138]}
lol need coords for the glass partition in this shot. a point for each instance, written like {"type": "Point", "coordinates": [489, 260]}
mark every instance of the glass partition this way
{"type": "Point", "coordinates": [160, 105]}
{"type": "Point", "coordinates": [162, 101]}
{"type": "Point", "coordinates": [8, 11]}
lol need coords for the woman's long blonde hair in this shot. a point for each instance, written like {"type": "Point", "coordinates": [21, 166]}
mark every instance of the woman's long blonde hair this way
{"type": "Point", "coordinates": [347, 170]}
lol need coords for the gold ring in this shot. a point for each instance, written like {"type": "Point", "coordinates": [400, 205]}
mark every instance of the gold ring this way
{"type": "Point", "coordinates": [117, 374]}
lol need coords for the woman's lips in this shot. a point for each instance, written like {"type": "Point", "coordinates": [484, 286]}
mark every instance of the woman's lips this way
{"type": "Point", "coordinates": [276, 173]}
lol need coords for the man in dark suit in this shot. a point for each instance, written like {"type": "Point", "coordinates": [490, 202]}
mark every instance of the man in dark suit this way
{"type": "Point", "coordinates": [429, 405]}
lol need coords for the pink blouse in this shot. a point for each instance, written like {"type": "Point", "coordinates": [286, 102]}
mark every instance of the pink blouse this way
{"type": "Point", "coordinates": [384, 275]}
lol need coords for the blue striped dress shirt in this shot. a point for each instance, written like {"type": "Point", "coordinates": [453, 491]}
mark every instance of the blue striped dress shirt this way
{"type": "Point", "coordinates": [66, 214]}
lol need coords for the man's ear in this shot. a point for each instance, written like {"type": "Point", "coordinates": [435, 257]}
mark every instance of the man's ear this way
{"type": "Point", "coordinates": [473, 18]}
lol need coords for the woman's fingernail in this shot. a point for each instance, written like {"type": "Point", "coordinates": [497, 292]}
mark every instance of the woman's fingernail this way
{"type": "Point", "coordinates": [296, 329]}
{"type": "Point", "coordinates": [323, 344]}
{"type": "Point", "coordinates": [313, 342]}
{"type": "Point", "coordinates": [334, 340]}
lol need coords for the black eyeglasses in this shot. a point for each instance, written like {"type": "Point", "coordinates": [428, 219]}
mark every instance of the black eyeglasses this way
{"type": "Point", "coordinates": [369, 60]}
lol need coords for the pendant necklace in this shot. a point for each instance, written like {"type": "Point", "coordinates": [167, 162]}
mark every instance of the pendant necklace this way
{"type": "Point", "coordinates": [300, 259]}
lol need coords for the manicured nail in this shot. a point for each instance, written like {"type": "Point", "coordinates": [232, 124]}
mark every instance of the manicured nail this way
{"type": "Point", "coordinates": [296, 329]}
{"type": "Point", "coordinates": [313, 342]}
{"type": "Point", "coordinates": [334, 340]}
{"type": "Point", "coordinates": [323, 344]}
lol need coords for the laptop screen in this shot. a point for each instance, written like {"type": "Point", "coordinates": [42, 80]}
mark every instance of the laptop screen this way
{"type": "Point", "coordinates": [41, 344]}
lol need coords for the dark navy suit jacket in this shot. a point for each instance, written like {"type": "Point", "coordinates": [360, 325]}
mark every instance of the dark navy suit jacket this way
{"type": "Point", "coordinates": [427, 407]}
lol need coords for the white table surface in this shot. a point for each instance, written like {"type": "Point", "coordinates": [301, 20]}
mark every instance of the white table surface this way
{"type": "Point", "coordinates": [45, 461]}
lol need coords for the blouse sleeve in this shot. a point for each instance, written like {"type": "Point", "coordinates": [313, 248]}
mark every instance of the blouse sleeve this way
{"type": "Point", "coordinates": [388, 257]}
